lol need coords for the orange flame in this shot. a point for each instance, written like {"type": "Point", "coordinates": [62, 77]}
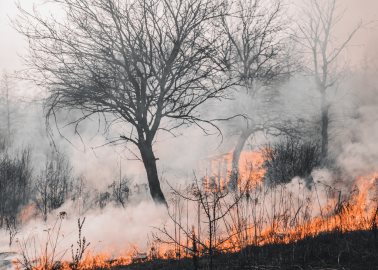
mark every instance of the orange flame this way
{"type": "Point", "coordinates": [283, 224]}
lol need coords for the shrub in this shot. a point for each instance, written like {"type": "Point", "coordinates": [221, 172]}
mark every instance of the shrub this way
{"type": "Point", "coordinates": [289, 158]}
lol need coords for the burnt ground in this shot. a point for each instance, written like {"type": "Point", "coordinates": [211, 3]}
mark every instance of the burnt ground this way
{"type": "Point", "coordinates": [352, 250]}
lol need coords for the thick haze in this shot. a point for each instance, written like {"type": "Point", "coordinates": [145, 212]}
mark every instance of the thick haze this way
{"type": "Point", "coordinates": [178, 156]}
{"type": "Point", "coordinates": [173, 153]}
{"type": "Point", "coordinates": [357, 147]}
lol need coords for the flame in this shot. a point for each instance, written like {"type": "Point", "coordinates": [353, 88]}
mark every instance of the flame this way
{"type": "Point", "coordinates": [292, 215]}
{"type": "Point", "coordinates": [358, 212]}
{"type": "Point", "coordinates": [101, 261]}
{"type": "Point", "coordinates": [251, 170]}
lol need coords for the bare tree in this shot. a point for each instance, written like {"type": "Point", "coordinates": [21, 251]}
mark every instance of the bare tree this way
{"type": "Point", "coordinates": [258, 56]}
{"type": "Point", "coordinates": [82, 195]}
{"type": "Point", "coordinates": [215, 204]}
{"type": "Point", "coordinates": [53, 184]}
{"type": "Point", "coordinates": [121, 188]}
{"type": "Point", "coordinates": [317, 36]}
{"type": "Point", "coordinates": [6, 85]}
{"type": "Point", "coordinates": [120, 191]}
{"type": "Point", "coordinates": [15, 181]}
{"type": "Point", "coordinates": [147, 63]}
{"type": "Point", "coordinates": [11, 227]}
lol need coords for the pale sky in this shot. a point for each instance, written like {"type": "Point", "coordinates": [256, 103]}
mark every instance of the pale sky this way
{"type": "Point", "coordinates": [10, 41]}
{"type": "Point", "coordinates": [12, 44]}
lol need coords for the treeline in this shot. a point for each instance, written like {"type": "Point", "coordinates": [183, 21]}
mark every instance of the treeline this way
{"type": "Point", "coordinates": [29, 190]}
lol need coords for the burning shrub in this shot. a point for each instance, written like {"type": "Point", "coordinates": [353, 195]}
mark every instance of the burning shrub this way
{"type": "Point", "coordinates": [289, 158]}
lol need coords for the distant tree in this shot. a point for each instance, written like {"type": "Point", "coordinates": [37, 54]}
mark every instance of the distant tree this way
{"type": "Point", "coordinates": [120, 191]}
{"type": "Point", "coordinates": [82, 195]}
{"type": "Point", "coordinates": [316, 35]}
{"type": "Point", "coordinates": [103, 198]}
{"type": "Point", "coordinates": [258, 55]}
{"type": "Point", "coordinates": [15, 185]}
{"type": "Point", "coordinates": [149, 63]}
{"type": "Point", "coordinates": [53, 184]}
{"type": "Point", "coordinates": [117, 193]}
{"type": "Point", "coordinates": [6, 85]}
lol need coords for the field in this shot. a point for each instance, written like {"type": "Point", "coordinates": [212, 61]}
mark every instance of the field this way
{"type": "Point", "coordinates": [353, 250]}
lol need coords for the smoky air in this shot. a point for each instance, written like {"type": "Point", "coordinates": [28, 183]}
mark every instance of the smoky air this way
{"type": "Point", "coordinates": [188, 134]}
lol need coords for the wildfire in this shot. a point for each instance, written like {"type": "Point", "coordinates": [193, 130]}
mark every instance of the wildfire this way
{"type": "Point", "coordinates": [250, 172]}
{"type": "Point", "coordinates": [101, 261]}
{"type": "Point", "coordinates": [359, 211]}
{"type": "Point", "coordinates": [267, 215]}
{"type": "Point", "coordinates": [288, 221]}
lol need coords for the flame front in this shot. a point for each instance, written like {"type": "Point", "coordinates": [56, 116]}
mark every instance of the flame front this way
{"type": "Point", "coordinates": [265, 215]}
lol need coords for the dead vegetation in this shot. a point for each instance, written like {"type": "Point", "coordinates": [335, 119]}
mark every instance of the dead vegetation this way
{"type": "Point", "coordinates": [328, 251]}
{"type": "Point", "coordinates": [149, 65]}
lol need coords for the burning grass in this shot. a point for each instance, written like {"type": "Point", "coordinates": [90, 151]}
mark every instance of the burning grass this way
{"type": "Point", "coordinates": [207, 219]}
{"type": "Point", "coordinates": [327, 251]}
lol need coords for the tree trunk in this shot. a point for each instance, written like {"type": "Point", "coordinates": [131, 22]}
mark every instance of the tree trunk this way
{"type": "Point", "coordinates": [324, 128]}
{"type": "Point", "coordinates": [246, 133]}
{"type": "Point", "coordinates": [149, 162]}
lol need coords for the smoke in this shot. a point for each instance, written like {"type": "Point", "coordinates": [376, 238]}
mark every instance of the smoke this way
{"type": "Point", "coordinates": [353, 143]}
{"type": "Point", "coordinates": [110, 231]}
{"type": "Point", "coordinates": [358, 145]}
